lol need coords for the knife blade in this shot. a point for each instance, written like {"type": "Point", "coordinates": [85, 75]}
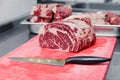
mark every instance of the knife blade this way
{"type": "Point", "coordinates": [62, 62]}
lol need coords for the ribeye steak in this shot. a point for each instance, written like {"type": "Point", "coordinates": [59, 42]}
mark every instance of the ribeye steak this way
{"type": "Point", "coordinates": [67, 36]}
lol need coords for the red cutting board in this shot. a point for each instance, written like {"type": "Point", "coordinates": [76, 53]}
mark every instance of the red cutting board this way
{"type": "Point", "coordinates": [15, 70]}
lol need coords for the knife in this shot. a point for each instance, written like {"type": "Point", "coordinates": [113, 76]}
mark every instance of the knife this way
{"type": "Point", "coordinates": [62, 62]}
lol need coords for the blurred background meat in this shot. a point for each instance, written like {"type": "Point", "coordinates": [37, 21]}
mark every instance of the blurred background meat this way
{"type": "Point", "coordinates": [61, 12]}
{"type": "Point", "coordinates": [50, 12]}
{"type": "Point", "coordinates": [113, 18]}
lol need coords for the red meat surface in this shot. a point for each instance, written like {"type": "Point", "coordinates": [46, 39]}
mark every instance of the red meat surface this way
{"type": "Point", "coordinates": [67, 36]}
{"type": "Point", "coordinates": [89, 17]}
{"type": "Point", "coordinates": [83, 17]}
{"type": "Point", "coordinates": [36, 19]}
{"type": "Point", "coordinates": [61, 12]}
{"type": "Point", "coordinates": [50, 12]}
{"type": "Point", "coordinates": [113, 18]}
{"type": "Point", "coordinates": [44, 10]}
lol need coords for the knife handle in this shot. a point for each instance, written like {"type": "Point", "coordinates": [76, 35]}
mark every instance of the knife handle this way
{"type": "Point", "coordinates": [86, 60]}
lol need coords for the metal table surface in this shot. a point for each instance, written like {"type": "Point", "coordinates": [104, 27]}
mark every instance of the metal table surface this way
{"type": "Point", "coordinates": [19, 34]}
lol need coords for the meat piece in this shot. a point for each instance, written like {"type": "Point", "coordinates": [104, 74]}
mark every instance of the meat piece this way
{"type": "Point", "coordinates": [61, 12]}
{"type": "Point", "coordinates": [91, 17]}
{"type": "Point", "coordinates": [67, 36]}
{"type": "Point", "coordinates": [38, 19]}
{"type": "Point", "coordinates": [54, 12]}
{"type": "Point", "coordinates": [52, 5]}
{"type": "Point", "coordinates": [42, 11]}
{"type": "Point", "coordinates": [98, 18]}
{"type": "Point", "coordinates": [83, 17]}
{"type": "Point", "coordinates": [113, 18]}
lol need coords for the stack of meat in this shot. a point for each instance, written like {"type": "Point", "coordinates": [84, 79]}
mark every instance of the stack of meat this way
{"type": "Point", "coordinates": [98, 17]}
{"type": "Point", "coordinates": [95, 17]}
{"type": "Point", "coordinates": [67, 36]}
{"type": "Point", "coordinates": [50, 12]}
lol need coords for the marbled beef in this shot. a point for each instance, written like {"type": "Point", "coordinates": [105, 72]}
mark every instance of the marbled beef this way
{"type": "Point", "coordinates": [36, 19]}
{"type": "Point", "coordinates": [50, 12]}
{"type": "Point", "coordinates": [113, 18]}
{"type": "Point", "coordinates": [44, 10]}
{"type": "Point", "coordinates": [61, 12]}
{"type": "Point", "coordinates": [95, 17]}
{"type": "Point", "coordinates": [67, 36]}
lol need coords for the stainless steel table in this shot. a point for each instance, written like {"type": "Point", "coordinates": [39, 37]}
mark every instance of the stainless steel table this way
{"type": "Point", "coordinates": [19, 34]}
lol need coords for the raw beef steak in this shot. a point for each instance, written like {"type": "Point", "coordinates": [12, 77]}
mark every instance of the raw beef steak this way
{"type": "Point", "coordinates": [61, 12]}
{"type": "Point", "coordinates": [104, 18]}
{"type": "Point", "coordinates": [95, 17]}
{"type": "Point", "coordinates": [113, 18]}
{"type": "Point", "coordinates": [81, 17]}
{"type": "Point", "coordinates": [67, 36]}
{"type": "Point", "coordinates": [36, 19]}
{"type": "Point", "coordinates": [44, 10]}
{"type": "Point", "coordinates": [49, 12]}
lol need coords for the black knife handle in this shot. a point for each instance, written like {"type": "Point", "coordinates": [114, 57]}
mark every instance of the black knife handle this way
{"type": "Point", "coordinates": [86, 60]}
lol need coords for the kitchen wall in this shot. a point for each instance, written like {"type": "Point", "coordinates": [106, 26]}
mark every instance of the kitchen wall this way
{"type": "Point", "coordinates": [13, 9]}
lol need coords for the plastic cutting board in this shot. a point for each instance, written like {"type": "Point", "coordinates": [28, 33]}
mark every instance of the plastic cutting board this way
{"type": "Point", "coordinates": [15, 70]}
